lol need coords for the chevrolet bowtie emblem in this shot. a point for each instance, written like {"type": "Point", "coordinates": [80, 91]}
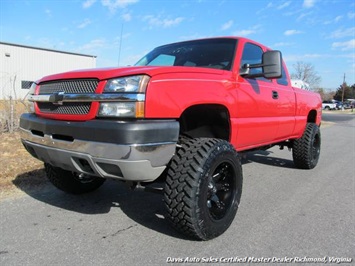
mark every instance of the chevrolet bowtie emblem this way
{"type": "Point", "coordinates": [57, 98]}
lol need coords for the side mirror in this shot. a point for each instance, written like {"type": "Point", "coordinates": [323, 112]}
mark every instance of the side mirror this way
{"type": "Point", "coordinates": [272, 62]}
{"type": "Point", "coordinates": [271, 66]}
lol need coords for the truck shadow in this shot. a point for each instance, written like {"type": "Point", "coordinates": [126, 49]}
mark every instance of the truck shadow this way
{"type": "Point", "coordinates": [263, 157]}
{"type": "Point", "coordinates": [144, 208]}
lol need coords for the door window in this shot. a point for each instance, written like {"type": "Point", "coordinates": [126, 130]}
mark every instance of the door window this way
{"type": "Point", "coordinates": [283, 80]}
{"type": "Point", "coordinates": [252, 54]}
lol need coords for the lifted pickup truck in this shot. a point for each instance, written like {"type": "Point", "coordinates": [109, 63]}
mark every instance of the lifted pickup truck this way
{"type": "Point", "coordinates": [181, 114]}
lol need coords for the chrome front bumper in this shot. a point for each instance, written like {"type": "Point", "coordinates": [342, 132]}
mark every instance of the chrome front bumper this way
{"type": "Point", "coordinates": [133, 151]}
{"type": "Point", "coordinates": [141, 163]}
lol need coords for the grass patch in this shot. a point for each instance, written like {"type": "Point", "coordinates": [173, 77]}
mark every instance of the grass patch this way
{"type": "Point", "coordinates": [10, 112]}
{"type": "Point", "coordinates": [18, 168]}
{"type": "Point", "coordinates": [346, 111]}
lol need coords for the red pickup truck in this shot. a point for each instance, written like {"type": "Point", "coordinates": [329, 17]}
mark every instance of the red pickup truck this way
{"type": "Point", "coordinates": [182, 114]}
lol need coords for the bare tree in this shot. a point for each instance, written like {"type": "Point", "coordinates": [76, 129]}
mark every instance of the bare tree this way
{"type": "Point", "coordinates": [326, 95]}
{"type": "Point", "coordinates": [306, 72]}
{"type": "Point", "coordinates": [9, 116]}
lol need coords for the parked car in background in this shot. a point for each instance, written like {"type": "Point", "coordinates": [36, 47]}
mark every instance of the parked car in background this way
{"type": "Point", "coordinates": [339, 105]}
{"type": "Point", "coordinates": [349, 105]}
{"type": "Point", "coordinates": [346, 105]}
{"type": "Point", "coordinates": [329, 105]}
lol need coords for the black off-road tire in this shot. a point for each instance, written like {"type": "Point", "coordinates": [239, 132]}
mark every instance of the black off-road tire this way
{"type": "Point", "coordinates": [203, 187]}
{"type": "Point", "coordinates": [71, 182]}
{"type": "Point", "coordinates": [306, 150]}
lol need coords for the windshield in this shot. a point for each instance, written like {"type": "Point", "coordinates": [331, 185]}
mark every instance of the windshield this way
{"type": "Point", "coordinates": [210, 53]}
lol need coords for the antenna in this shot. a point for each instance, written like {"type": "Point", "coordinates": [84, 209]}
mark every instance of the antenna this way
{"type": "Point", "coordinates": [119, 49]}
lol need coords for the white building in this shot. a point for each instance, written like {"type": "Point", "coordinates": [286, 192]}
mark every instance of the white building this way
{"type": "Point", "coordinates": [20, 65]}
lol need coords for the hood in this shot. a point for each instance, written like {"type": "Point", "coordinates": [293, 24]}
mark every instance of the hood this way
{"type": "Point", "coordinates": [108, 73]}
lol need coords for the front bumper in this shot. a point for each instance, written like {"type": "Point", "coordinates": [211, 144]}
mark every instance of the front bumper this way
{"type": "Point", "coordinates": [134, 151]}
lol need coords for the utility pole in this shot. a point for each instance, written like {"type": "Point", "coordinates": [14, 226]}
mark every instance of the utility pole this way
{"type": "Point", "coordinates": [342, 94]}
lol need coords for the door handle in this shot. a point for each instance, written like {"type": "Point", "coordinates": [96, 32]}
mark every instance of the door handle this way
{"type": "Point", "coordinates": [275, 95]}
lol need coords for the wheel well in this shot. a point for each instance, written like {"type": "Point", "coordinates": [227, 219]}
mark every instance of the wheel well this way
{"type": "Point", "coordinates": [312, 116]}
{"type": "Point", "coordinates": [207, 120]}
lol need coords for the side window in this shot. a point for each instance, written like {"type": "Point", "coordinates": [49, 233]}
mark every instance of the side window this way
{"type": "Point", "coordinates": [283, 79]}
{"type": "Point", "coordinates": [252, 54]}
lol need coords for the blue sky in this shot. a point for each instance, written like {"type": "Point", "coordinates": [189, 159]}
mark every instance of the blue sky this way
{"type": "Point", "coordinates": [320, 32]}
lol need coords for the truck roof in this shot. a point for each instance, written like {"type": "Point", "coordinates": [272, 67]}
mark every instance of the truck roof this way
{"type": "Point", "coordinates": [242, 39]}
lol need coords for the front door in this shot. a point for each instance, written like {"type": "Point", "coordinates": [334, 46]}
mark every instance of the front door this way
{"type": "Point", "coordinates": [256, 110]}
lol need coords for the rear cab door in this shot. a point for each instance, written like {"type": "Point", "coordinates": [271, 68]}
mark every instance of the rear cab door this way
{"type": "Point", "coordinates": [285, 104]}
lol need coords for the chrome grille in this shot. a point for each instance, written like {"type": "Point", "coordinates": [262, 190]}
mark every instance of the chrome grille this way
{"type": "Point", "coordinates": [69, 86]}
{"type": "Point", "coordinates": [74, 86]}
{"type": "Point", "coordinates": [66, 108]}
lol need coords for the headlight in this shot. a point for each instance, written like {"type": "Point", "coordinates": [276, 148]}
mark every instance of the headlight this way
{"type": "Point", "coordinates": [31, 105]}
{"type": "Point", "coordinates": [135, 84]}
{"type": "Point", "coordinates": [32, 88]}
{"type": "Point", "coordinates": [131, 104]}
